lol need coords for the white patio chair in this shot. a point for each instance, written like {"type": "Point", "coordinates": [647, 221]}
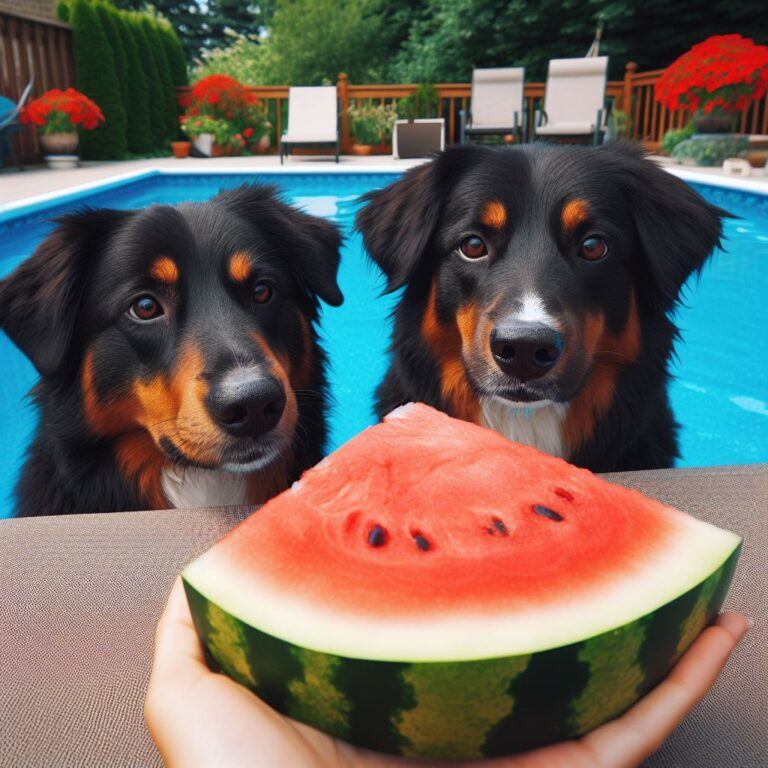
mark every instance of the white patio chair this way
{"type": "Point", "coordinates": [574, 101]}
{"type": "Point", "coordinates": [313, 120]}
{"type": "Point", "coordinates": [497, 105]}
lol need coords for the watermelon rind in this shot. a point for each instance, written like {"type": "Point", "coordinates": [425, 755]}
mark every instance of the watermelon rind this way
{"type": "Point", "coordinates": [483, 704]}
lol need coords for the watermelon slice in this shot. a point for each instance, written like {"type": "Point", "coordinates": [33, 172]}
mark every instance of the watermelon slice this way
{"type": "Point", "coordinates": [432, 589]}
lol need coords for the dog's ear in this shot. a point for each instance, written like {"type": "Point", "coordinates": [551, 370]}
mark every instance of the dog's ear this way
{"type": "Point", "coordinates": [398, 222]}
{"type": "Point", "coordinates": [677, 228]}
{"type": "Point", "coordinates": [40, 301]}
{"type": "Point", "coordinates": [311, 243]}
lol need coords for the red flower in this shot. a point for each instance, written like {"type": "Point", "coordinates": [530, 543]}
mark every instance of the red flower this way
{"type": "Point", "coordinates": [724, 72]}
{"type": "Point", "coordinates": [63, 110]}
{"type": "Point", "coordinates": [248, 132]}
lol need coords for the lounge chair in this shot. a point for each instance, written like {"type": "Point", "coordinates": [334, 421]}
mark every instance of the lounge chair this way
{"type": "Point", "coordinates": [313, 120]}
{"type": "Point", "coordinates": [10, 125]}
{"type": "Point", "coordinates": [574, 102]}
{"type": "Point", "coordinates": [498, 104]}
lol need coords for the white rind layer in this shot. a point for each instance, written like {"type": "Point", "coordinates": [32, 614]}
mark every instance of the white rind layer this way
{"type": "Point", "coordinates": [693, 553]}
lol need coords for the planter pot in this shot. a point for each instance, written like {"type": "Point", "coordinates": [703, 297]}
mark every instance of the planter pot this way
{"type": "Point", "coordinates": [62, 162]}
{"type": "Point", "coordinates": [226, 151]}
{"type": "Point", "coordinates": [713, 123]}
{"type": "Point", "coordinates": [181, 149]}
{"type": "Point", "coordinates": [370, 149]}
{"type": "Point", "coordinates": [204, 144]}
{"type": "Point", "coordinates": [64, 143]}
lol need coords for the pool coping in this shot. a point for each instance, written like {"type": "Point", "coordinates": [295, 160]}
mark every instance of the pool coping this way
{"type": "Point", "coordinates": [28, 205]}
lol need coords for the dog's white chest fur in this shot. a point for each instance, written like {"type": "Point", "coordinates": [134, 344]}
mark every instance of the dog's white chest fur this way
{"type": "Point", "coordinates": [190, 487]}
{"type": "Point", "coordinates": [540, 427]}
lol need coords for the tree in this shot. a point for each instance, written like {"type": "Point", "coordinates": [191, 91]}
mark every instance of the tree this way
{"type": "Point", "coordinates": [170, 110]}
{"type": "Point", "coordinates": [138, 126]}
{"type": "Point", "coordinates": [97, 78]}
{"type": "Point", "coordinates": [107, 15]}
{"type": "Point", "coordinates": [154, 87]}
{"type": "Point", "coordinates": [311, 41]}
{"type": "Point", "coordinates": [448, 38]}
{"type": "Point", "coordinates": [175, 54]}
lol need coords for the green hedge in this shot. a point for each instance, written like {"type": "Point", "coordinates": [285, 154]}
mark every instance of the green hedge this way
{"type": "Point", "coordinates": [175, 54]}
{"type": "Point", "coordinates": [170, 110]}
{"type": "Point", "coordinates": [97, 78]}
{"type": "Point", "coordinates": [138, 127]}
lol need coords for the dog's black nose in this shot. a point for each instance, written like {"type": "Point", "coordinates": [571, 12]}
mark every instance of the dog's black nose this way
{"type": "Point", "coordinates": [525, 350]}
{"type": "Point", "coordinates": [247, 406]}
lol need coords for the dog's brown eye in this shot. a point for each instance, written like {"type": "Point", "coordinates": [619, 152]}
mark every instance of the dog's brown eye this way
{"type": "Point", "coordinates": [262, 293]}
{"type": "Point", "coordinates": [473, 247]}
{"type": "Point", "coordinates": [146, 308]}
{"type": "Point", "coordinates": [593, 249]}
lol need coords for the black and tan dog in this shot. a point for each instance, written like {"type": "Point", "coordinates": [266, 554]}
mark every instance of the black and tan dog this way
{"type": "Point", "coordinates": [177, 352]}
{"type": "Point", "coordinates": [538, 287]}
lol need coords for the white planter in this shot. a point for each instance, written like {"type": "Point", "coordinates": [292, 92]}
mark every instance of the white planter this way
{"type": "Point", "coordinates": [204, 144]}
{"type": "Point", "coordinates": [62, 162]}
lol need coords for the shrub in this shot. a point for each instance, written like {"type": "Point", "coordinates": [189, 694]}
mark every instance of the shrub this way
{"type": "Point", "coordinates": [175, 54]}
{"type": "Point", "coordinates": [107, 15]}
{"type": "Point", "coordinates": [674, 137]}
{"type": "Point", "coordinates": [424, 102]}
{"type": "Point", "coordinates": [708, 151]}
{"type": "Point", "coordinates": [372, 123]}
{"type": "Point", "coordinates": [97, 78]}
{"type": "Point", "coordinates": [138, 130]}
{"type": "Point", "coordinates": [58, 111]}
{"type": "Point", "coordinates": [724, 73]}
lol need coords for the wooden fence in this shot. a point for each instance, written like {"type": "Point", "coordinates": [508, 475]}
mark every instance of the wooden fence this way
{"type": "Point", "coordinates": [31, 46]}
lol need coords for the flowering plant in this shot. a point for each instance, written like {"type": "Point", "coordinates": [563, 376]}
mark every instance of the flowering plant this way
{"type": "Point", "coordinates": [221, 105]}
{"type": "Point", "coordinates": [58, 111]}
{"type": "Point", "coordinates": [723, 73]}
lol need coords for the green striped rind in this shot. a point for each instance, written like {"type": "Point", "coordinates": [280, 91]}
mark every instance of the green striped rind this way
{"type": "Point", "coordinates": [463, 709]}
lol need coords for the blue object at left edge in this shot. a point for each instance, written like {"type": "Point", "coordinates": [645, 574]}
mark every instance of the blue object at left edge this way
{"type": "Point", "coordinates": [719, 397]}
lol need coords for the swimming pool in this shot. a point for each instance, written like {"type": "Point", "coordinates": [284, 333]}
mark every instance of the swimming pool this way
{"type": "Point", "coordinates": [720, 393]}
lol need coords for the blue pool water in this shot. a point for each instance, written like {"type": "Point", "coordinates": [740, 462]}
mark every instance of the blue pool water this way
{"type": "Point", "coordinates": [720, 393]}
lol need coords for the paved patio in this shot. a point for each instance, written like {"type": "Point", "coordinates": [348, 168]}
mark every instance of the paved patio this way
{"type": "Point", "coordinates": [38, 180]}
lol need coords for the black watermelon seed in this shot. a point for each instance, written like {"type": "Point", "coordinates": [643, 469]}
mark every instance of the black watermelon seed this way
{"type": "Point", "coordinates": [421, 541]}
{"type": "Point", "coordinates": [498, 524]}
{"type": "Point", "coordinates": [377, 536]}
{"type": "Point", "coordinates": [563, 494]}
{"type": "Point", "coordinates": [550, 514]}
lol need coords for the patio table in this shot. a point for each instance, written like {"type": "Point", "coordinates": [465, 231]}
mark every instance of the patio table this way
{"type": "Point", "coordinates": [80, 596]}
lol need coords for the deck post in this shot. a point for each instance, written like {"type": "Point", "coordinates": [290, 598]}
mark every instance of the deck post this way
{"type": "Point", "coordinates": [626, 97]}
{"type": "Point", "coordinates": [341, 90]}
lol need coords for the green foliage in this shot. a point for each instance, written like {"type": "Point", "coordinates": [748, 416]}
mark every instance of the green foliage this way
{"type": "Point", "coordinates": [170, 110]}
{"type": "Point", "coordinates": [245, 60]}
{"type": "Point", "coordinates": [175, 54]}
{"type": "Point", "coordinates": [424, 102]}
{"type": "Point", "coordinates": [97, 78]}
{"type": "Point", "coordinates": [676, 136]}
{"type": "Point", "coordinates": [154, 87]}
{"type": "Point", "coordinates": [710, 150]}
{"type": "Point", "coordinates": [372, 123]}
{"type": "Point", "coordinates": [448, 38]}
{"type": "Point", "coordinates": [619, 124]}
{"type": "Point", "coordinates": [107, 16]}
{"type": "Point", "coordinates": [138, 132]}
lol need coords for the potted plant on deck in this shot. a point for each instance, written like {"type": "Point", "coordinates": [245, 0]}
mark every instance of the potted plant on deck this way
{"type": "Point", "coordinates": [58, 115]}
{"type": "Point", "coordinates": [714, 81]}
{"type": "Point", "coordinates": [371, 127]}
{"type": "Point", "coordinates": [222, 117]}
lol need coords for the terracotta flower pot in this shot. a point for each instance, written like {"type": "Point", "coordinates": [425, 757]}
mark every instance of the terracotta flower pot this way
{"type": "Point", "coordinates": [362, 149]}
{"type": "Point", "coordinates": [181, 149]}
{"type": "Point", "coordinates": [64, 143]}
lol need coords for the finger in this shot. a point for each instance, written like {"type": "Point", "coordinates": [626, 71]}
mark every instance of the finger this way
{"type": "Point", "coordinates": [638, 733]}
{"type": "Point", "coordinates": [177, 648]}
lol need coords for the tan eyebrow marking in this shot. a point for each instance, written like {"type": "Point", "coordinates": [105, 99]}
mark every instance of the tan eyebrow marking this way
{"type": "Point", "coordinates": [494, 215]}
{"type": "Point", "coordinates": [240, 267]}
{"type": "Point", "coordinates": [574, 212]}
{"type": "Point", "coordinates": [164, 269]}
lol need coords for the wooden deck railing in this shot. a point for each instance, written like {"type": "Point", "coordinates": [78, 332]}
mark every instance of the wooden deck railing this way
{"type": "Point", "coordinates": [28, 46]}
{"type": "Point", "coordinates": [634, 94]}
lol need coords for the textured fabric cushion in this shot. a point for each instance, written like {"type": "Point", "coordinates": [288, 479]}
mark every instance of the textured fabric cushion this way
{"type": "Point", "coordinates": [575, 89]}
{"type": "Point", "coordinates": [80, 597]}
{"type": "Point", "coordinates": [496, 95]}
{"type": "Point", "coordinates": [565, 129]}
{"type": "Point", "coordinates": [312, 114]}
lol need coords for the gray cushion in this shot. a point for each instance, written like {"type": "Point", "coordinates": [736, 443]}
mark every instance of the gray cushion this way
{"type": "Point", "coordinates": [80, 596]}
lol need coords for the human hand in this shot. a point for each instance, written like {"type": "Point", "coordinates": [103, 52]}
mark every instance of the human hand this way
{"type": "Point", "coordinates": [201, 718]}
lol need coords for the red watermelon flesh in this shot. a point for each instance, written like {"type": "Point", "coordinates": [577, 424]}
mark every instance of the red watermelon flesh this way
{"type": "Point", "coordinates": [426, 538]}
